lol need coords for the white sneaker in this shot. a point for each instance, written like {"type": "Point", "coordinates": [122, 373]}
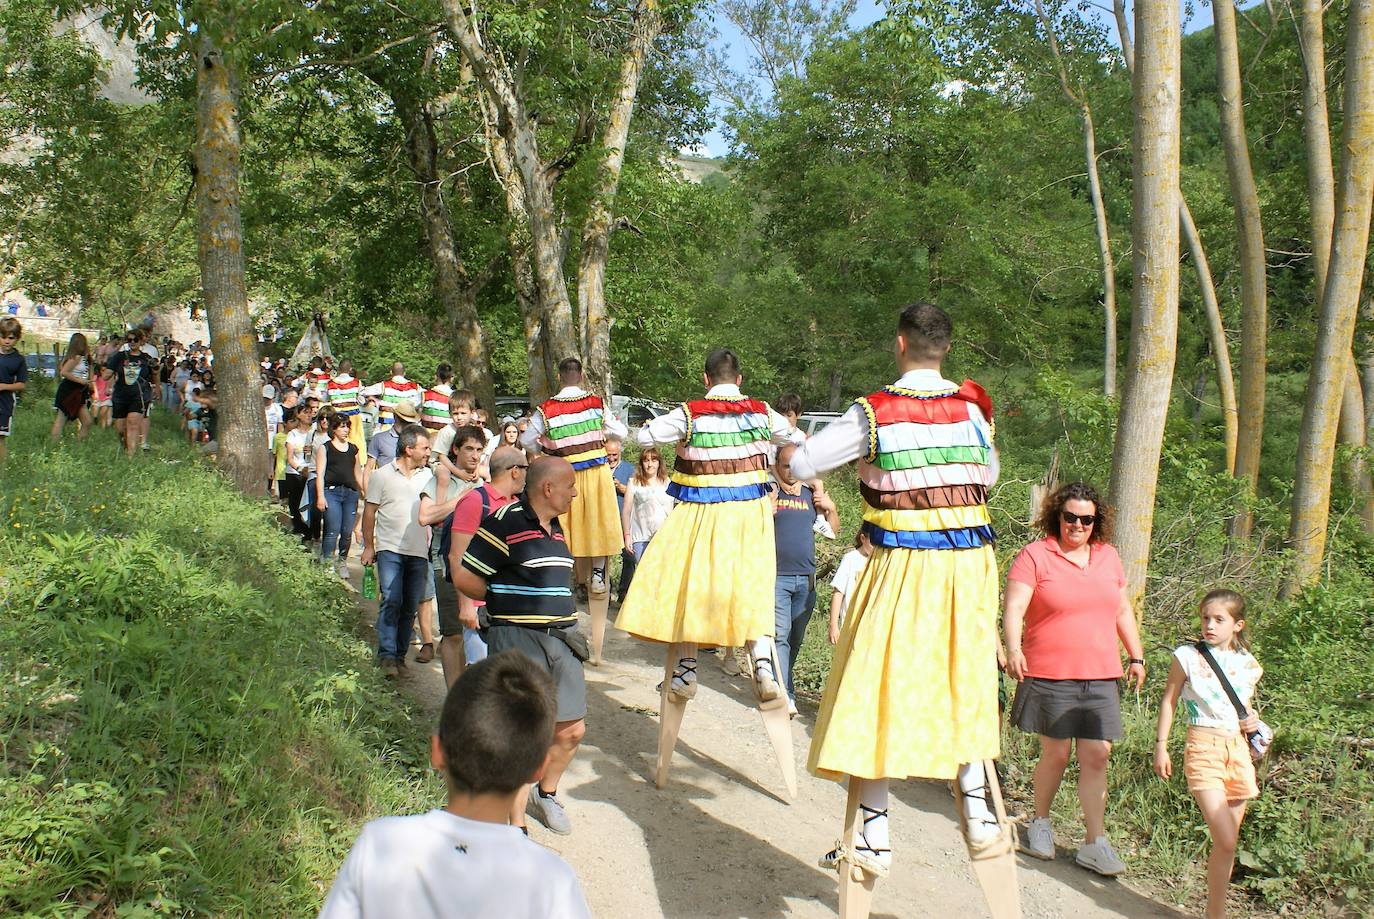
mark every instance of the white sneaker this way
{"type": "Point", "coordinates": [550, 812]}
{"type": "Point", "coordinates": [341, 568]}
{"type": "Point", "coordinates": [791, 707]}
{"type": "Point", "coordinates": [1098, 856]}
{"type": "Point", "coordinates": [1040, 839]}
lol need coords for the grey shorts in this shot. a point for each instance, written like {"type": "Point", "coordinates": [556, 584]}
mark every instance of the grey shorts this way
{"type": "Point", "coordinates": [570, 687]}
{"type": "Point", "coordinates": [1068, 709]}
{"type": "Point", "coordinates": [446, 598]}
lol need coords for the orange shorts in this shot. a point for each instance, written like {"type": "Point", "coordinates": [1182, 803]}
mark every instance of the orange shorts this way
{"type": "Point", "coordinates": [1215, 760]}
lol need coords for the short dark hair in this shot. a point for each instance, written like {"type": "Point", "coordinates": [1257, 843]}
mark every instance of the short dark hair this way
{"type": "Point", "coordinates": [722, 366]}
{"type": "Point", "coordinates": [927, 330]}
{"type": "Point", "coordinates": [338, 420]}
{"type": "Point", "coordinates": [1048, 521]}
{"type": "Point", "coordinates": [407, 435]}
{"type": "Point", "coordinates": [569, 369]}
{"type": "Point", "coordinates": [288, 414]}
{"type": "Point", "coordinates": [497, 724]}
{"type": "Point", "coordinates": [789, 403]}
{"type": "Point", "coordinates": [464, 434]}
{"type": "Point", "coordinates": [443, 373]}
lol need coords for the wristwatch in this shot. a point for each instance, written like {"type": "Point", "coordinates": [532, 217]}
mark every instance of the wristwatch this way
{"type": "Point", "coordinates": [1135, 660]}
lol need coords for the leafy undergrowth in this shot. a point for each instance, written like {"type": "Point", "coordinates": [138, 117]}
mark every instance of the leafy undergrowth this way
{"type": "Point", "coordinates": [187, 724]}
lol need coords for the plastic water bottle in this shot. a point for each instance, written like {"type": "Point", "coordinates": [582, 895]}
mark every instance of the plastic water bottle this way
{"type": "Point", "coordinates": [370, 582]}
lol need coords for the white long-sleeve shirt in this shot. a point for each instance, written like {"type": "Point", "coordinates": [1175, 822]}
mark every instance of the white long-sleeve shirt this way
{"type": "Point", "coordinates": [673, 427]}
{"type": "Point", "coordinates": [846, 439]}
{"type": "Point", "coordinates": [530, 439]}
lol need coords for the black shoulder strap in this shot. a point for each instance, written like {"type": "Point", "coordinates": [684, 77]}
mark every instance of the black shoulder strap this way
{"type": "Point", "coordinates": [1206, 653]}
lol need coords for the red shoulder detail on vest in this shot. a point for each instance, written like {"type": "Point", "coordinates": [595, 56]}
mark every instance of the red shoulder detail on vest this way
{"type": "Point", "coordinates": [552, 408]}
{"type": "Point", "coordinates": [972, 392]}
{"type": "Point", "coordinates": [700, 407]}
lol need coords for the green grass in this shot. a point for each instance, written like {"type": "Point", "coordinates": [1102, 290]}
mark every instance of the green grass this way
{"type": "Point", "coordinates": [188, 725]}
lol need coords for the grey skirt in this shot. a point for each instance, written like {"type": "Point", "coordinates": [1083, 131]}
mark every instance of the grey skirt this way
{"type": "Point", "coordinates": [1068, 709]}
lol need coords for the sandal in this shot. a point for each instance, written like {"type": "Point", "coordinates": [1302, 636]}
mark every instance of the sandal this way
{"type": "Point", "coordinates": [680, 687]}
{"type": "Point", "coordinates": [766, 684]}
{"type": "Point", "coordinates": [877, 862]}
{"type": "Point", "coordinates": [426, 653]}
{"type": "Point", "coordinates": [967, 823]}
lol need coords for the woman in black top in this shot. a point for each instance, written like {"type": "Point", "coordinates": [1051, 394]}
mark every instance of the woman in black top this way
{"type": "Point", "coordinates": [336, 491]}
{"type": "Point", "coordinates": [134, 370]}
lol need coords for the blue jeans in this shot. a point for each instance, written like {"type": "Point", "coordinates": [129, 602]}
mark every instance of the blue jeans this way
{"type": "Point", "coordinates": [794, 596]}
{"type": "Point", "coordinates": [474, 648]}
{"type": "Point", "coordinates": [339, 515]}
{"type": "Point", "coordinates": [401, 583]}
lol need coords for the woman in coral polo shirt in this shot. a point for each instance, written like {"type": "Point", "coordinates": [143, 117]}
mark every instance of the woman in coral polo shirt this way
{"type": "Point", "coordinates": [1066, 607]}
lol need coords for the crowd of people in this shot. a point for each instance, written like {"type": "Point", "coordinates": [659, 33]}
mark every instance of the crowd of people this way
{"type": "Point", "coordinates": [483, 542]}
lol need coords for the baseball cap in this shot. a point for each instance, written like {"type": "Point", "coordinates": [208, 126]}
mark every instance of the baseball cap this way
{"type": "Point", "coordinates": [405, 411]}
{"type": "Point", "coordinates": [269, 391]}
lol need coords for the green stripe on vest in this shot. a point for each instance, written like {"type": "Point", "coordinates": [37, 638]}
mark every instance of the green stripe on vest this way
{"type": "Point", "coordinates": [727, 438]}
{"type": "Point", "coordinates": [572, 430]}
{"type": "Point", "coordinates": [931, 456]}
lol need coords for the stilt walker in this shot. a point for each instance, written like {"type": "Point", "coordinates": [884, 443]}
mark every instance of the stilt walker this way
{"type": "Point", "coordinates": [344, 392]}
{"type": "Point", "coordinates": [573, 425]}
{"type": "Point", "coordinates": [912, 690]}
{"type": "Point", "coordinates": [707, 578]}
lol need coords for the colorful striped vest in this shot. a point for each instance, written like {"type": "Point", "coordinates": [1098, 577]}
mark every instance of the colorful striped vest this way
{"type": "Point", "coordinates": [575, 430]}
{"type": "Point", "coordinates": [393, 392]}
{"type": "Point", "coordinates": [434, 413]}
{"type": "Point", "coordinates": [724, 456]}
{"type": "Point", "coordinates": [343, 395]}
{"type": "Point", "coordinates": [925, 479]}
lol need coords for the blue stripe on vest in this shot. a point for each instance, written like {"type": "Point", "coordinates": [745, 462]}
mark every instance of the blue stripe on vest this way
{"type": "Point", "coordinates": [714, 494]}
{"type": "Point", "coordinates": [964, 538]}
{"type": "Point", "coordinates": [590, 463]}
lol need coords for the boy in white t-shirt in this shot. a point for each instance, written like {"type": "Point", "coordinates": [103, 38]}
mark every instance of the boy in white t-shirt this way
{"type": "Point", "coordinates": [846, 576]}
{"type": "Point", "coordinates": [466, 859]}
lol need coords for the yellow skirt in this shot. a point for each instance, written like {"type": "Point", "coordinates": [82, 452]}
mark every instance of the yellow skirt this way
{"type": "Point", "coordinates": [913, 685]}
{"type": "Point", "coordinates": [592, 525]}
{"type": "Point", "coordinates": [355, 437]}
{"type": "Point", "coordinates": [707, 577]}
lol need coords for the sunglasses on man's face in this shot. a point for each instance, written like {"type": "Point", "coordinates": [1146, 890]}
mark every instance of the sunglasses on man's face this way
{"type": "Point", "coordinates": [1086, 520]}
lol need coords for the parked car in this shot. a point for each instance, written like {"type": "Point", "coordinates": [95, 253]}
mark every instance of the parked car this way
{"type": "Point", "coordinates": [631, 410]}
{"type": "Point", "coordinates": [812, 422]}
{"type": "Point", "coordinates": [42, 364]}
{"type": "Point", "coordinates": [511, 407]}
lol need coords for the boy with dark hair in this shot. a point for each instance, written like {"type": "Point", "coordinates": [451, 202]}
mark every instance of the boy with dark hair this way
{"type": "Point", "coordinates": [14, 375]}
{"type": "Point", "coordinates": [466, 859]}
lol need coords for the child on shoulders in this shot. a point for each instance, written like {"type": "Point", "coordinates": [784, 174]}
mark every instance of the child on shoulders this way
{"type": "Point", "coordinates": [1216, 757]}
{"type": "Point", "coordinates": [465, 859]}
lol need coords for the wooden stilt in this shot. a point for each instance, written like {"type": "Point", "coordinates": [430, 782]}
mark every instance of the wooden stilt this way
{"type": "Point", "coordinates": [598, 606]}
{"type": "Point", "coordinates": [856, 884]}
{"type": "Point", "coordinates": [994, 863]}
{"type": "Point", "coordinates": [778, 724]}
{"type": "Point", "coordinates": [670, 712]}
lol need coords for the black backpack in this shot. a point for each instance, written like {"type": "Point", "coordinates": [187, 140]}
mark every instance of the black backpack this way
{"type": "Point", "coordinates": [446, 534]}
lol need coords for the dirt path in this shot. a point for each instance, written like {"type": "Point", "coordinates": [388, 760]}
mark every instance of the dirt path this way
{"type": "Point", "coordinates": [721, 842]}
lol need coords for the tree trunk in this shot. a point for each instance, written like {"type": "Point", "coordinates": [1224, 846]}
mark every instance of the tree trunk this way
{"type": "Point", "coordinates": [456, 290]}
{"type": "Point", "coordinates": [1104, 243]}
{"type": "Point", "coordinates": [1216, 329]}
{"type": "Point", "coordinates": [1216, 332]}
{"type": "Point", "coordinates": [541, 381]}
{"type": "Point", "coordinates": [836, 395]}
{"type": "Point", "coordinates": [596, 231]}
{"type": "Point", "coordinates": [514, 126]}
{"type": "Point", "coordinates": [1250, 235]}
{"type": "Point", "coordinates": [1104, 254]}
{"type": "Point", "coordinates": [242, 431]}
{"type": "Point", "coordinates": [1154, 306]}
{"type": "Point", "coordinates": [1321, 190]}
{"type": "Point", "coordinates": [1340, 299]}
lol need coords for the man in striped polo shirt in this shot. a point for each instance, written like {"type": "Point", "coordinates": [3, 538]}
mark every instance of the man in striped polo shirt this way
{"type": "Point", "coordinates": [518, 562]}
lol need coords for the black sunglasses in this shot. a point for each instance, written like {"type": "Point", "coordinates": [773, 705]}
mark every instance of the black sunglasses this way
{"type": "Point", "coordinates": [1086, 520]}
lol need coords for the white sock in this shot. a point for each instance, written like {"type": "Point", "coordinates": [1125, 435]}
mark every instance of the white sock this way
{"type": "Point", "coordinates": [761, 649]}
{"type": "Point", "coordinates": [972, 777]}
{"type": "Point", "coordinates": [873, 795]}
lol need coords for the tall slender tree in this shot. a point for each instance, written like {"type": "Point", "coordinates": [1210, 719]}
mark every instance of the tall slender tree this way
{"type": "Point", "coordinates": [1154, 302]}
{"type": "Point", "coordinates": [1254, 320]}
{"type": "Point", "coordinates": [1340, 301]}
